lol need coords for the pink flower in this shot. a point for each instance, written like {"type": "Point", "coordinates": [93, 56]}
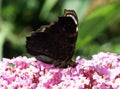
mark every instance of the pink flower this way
{"type": "Point", "coordinates": [101, 72]}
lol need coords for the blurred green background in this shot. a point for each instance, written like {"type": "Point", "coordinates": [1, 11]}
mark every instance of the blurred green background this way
{"type": "Point", "coordinates": [99, 24]}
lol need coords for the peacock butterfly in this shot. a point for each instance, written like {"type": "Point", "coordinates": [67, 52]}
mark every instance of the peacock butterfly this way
{"type": "Point", "coordinates": [55, 43]}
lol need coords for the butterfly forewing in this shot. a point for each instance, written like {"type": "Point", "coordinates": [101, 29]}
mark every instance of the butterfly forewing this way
{"type": "Point", "coordinates": [55, 44]}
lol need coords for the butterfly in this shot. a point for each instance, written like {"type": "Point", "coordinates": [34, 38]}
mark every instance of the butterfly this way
{"type": "Point", "coordinates": [55, 43]}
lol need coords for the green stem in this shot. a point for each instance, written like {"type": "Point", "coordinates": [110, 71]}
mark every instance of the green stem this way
{"type": "Point", "coordinates": [0, 30]}
{"type": "Point", "coordinates": [5, 28]}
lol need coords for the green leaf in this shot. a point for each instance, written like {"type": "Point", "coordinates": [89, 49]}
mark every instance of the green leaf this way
{"type": "Point", "coordinates": [48, 5]}
{"type": "Point", "coordinates": [96, 22]}
{"type": "Point", "coordinates": [12, 65]}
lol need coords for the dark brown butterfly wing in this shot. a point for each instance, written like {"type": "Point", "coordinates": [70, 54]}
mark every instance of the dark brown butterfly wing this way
{"type": "Point", "coordinates": [55, 44]}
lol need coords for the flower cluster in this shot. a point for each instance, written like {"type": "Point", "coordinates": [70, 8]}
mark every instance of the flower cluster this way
{"type": "Point", "coordinates": [101, 72]}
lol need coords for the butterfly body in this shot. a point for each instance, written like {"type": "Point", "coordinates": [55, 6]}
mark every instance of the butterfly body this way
{"type": "Point", "coordinates": [55, 43]}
